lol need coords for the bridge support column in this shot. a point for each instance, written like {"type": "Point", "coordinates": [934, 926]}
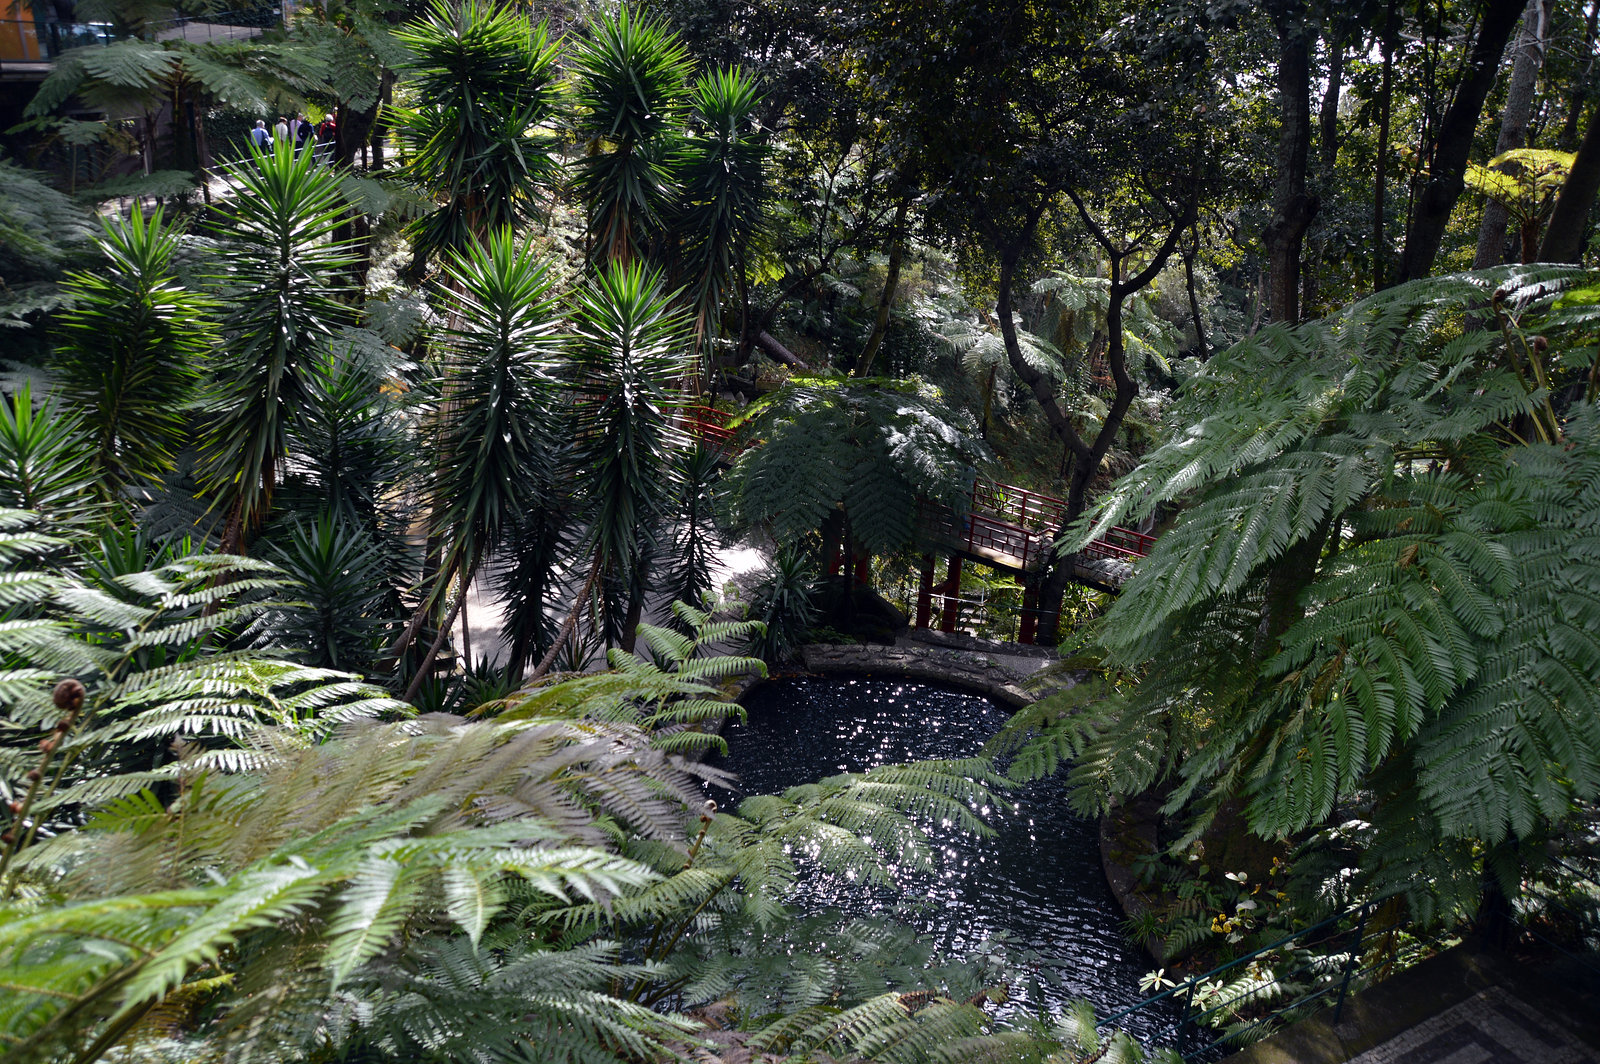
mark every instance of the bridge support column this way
{"type": "Point", "coordinates": [952, 600]}
{"type": "Point", "coordinates": [1030, 612]}
{"type": "Point", "coordinates": [925, 593]}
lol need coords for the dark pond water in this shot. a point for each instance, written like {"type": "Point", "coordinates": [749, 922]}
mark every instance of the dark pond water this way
{"type": "Point", "coordinates": [1036, 885]}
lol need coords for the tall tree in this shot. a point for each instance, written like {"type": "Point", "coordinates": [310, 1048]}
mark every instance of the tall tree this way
{"type": "Point", "coordinates": [494, 433]}
{"type": "Point", "coordinates": [1334, 620]}
{"type": "Point", "coordinates": [483, 77]}
{"type": "Point", "coordinates": [1293, 207]}
{"type": "Point", "coordinates": [1563, 238]}
{"type": "Point", "coordinates": [1007, 114]}
{"type": "Point", "coordinates": [633, 75]}
{"type": "Point", "coordinates": [1447, 156]}
{"type": "Point", "coordinates": [134, 343]}
{"type": "Point", "coordinates": [1514, 116]}
{"type": "Point", "coordinates": [279, 273]}
{"type": "Point", "coordinates": [630, 348]}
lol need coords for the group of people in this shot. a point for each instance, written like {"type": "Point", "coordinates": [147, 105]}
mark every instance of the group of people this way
{"type": "Point", "coordinates": [298, 130]}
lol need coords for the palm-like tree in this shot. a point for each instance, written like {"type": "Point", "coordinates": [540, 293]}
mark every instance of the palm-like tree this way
{"type": "Point", "coordinates": [485, 81]}
{"type": "Point", "coordinates": [632, 81]}
{"type": "Point", "coordinates": [629, 348]}
{"type": "Point", "coordinates": [723, 207]}
{"type": "Point", "coordinates": [132, 346]}
{"type": "Point", "coordinates": [46, 463]}
{"type": "Point", "coordinates": [280, 270]}
{"type": "Point", "coordinates": [500, 392]}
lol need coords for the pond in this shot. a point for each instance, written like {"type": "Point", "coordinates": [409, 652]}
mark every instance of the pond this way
{"type": "Point", "coordinates": [1037, 884]}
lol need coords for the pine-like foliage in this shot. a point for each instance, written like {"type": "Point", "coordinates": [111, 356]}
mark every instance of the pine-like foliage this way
{"type": "Point", "coordinates": [724, 193]}
{"type": "Point", "coordinates": [46, 462]}
{"type": "Point", "coordinates": [878, 448]}
{"type": "Point", "coordinates": [629, 350]}
{"type": "Point", "coordinates": [495, 431]}
{"type": "Point", "coordinates": [632, 80]}
{"type": "Point", "coordinates": [1384, 583]}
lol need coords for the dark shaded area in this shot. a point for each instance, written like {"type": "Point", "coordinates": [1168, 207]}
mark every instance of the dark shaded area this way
{"type": "Point", "coordinates": [1036, 886]}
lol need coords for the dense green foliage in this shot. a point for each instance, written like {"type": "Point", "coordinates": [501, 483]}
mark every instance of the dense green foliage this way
{"type": "Point", "coordinates": [1380, 594]}
{"type": "Point", "coordinates": [302, 411]}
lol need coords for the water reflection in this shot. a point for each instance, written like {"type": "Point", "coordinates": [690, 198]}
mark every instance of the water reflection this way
{"type": "Point", "coordinates": [1037, 883]}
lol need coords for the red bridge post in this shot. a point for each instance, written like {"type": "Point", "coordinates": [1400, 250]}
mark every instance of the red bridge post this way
{"type": "Point", "coordinates": [925, 593]}
{"type": "Point", "coordinates": [952, 592]}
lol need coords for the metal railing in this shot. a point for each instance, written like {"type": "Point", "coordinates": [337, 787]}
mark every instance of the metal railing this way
{"type": "Point", "coordinates": [1249, 997]}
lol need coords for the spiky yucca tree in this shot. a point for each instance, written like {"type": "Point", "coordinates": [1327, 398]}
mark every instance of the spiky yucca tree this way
{"type": "Point", "coordinates": [630, 347]}
{"type": "Point", "coordinates": [483, 78]}
{"type": "Point", "coordinates": [133, 345]}
{"type": "Point", "coordinates": [723, 207]}
{"type": "Point", "coordinates": [278, 270]}
{"type": "Point", "coordinates": [1382, 590]}
{"type": "Point", "coordinates": [46, 462]}
{"type": "Point", "coordinates": [632, 76]}
{"type": "Point", "coordinates": [494, 433]}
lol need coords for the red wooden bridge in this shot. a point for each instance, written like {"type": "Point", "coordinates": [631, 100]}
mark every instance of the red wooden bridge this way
{"type": "Point", "coordinates": [1004, 526]}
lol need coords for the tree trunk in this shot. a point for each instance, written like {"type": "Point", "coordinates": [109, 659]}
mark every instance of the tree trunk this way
{"type": "Point", "coordinates": [1448, 165]}
{"type": "Point", "coordinates": [1202, 351]}
{"type": "Point", "coordinates": [1292, 207]}
{"type": "Point", "coordinates": [1380, 187]}
{"type": "Point", "coordinates": [891, 281]}
{"type": "Point", "coordinates": [1563, 238]}
{"type": "Point", "coordinates": [1580, 94]}
{"type": "Point", "coordinates": [1514, 125]}
{"type": "Point", "coordinates": [1327, 156]}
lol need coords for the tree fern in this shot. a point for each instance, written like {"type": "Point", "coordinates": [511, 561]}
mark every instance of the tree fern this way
{"type": "Point", "coordinates": [876, 448]}
{"type": "Point", "coordinates": [1378, 563]}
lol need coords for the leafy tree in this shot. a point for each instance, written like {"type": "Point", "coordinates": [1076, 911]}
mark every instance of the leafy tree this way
{"type": "Point", "coordinates": [135, 342]}
{"type": "Point", "coordinates": [43, 233]}
{"type": "Point", "coordinates": [873, 451]}
{"type": "Point", "coordinates": [1381, 590]}
{"type": "Point", "coordinates": [696, 537]}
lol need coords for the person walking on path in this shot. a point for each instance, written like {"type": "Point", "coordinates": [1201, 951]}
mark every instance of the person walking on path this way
{"type": "Point", "coordinates": [260, 137]}
{"type": "Point", "coordinates": [328, 138]}
{"type": "Point", "coordinates": [302, 133]}
{"type": "Point", "coordinates": [280, 132]}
